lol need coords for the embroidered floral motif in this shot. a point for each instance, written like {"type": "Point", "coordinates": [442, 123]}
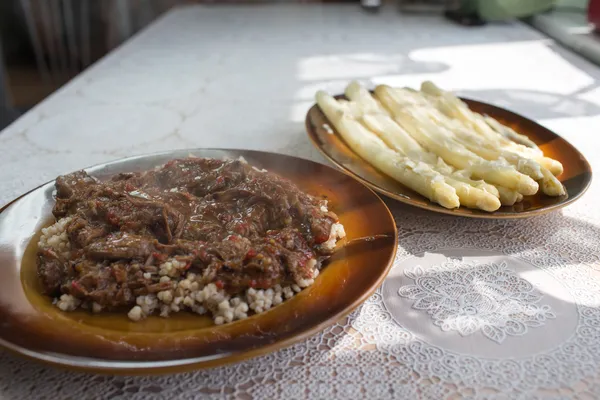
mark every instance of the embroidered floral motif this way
{"type": "Point", "coordinates": [468, 297]}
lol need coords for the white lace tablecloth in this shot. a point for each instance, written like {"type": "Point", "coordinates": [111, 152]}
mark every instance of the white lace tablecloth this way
{"type": "Point", "coordinates": [471, 309]}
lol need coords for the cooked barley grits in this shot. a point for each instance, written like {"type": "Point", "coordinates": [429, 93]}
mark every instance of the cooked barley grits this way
{"type": "Point", "coordinates": [127, 244]}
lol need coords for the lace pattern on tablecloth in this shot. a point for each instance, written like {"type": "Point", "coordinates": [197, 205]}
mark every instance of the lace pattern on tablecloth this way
{"type": "Point", "coordinates": [396, 362]}
{"type": "Point", "coordinates": [470, 297]}
{"type": "Point", "coordinates": [519, 315]}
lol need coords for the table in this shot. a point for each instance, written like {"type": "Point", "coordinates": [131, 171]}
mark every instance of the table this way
{"type": "Point", "coordinates": [515, 307]}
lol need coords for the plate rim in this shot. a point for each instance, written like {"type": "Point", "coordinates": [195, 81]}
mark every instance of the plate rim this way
{"type": "Point", "coordinates": [160, 367]}
{"type": "Point", "coordinates": [436, 208]}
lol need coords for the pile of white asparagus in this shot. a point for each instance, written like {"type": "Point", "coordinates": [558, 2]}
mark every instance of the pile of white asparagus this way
{"type": "Point", "coordinates": [430, 141]}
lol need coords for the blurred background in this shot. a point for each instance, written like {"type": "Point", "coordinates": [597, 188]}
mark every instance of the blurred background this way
{"type": "Point", "coordinates": [44, 43]}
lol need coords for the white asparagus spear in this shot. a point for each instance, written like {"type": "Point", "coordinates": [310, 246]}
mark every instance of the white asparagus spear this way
{"type": "Point", "coordinates": [510, 133]}
{"type": "Point", "coordinates": [379, 120]}
{"type": "Point", "coordinates": [553, 165]}
{"type": "Point", "coordinates": [509, 197]}
{"type": "Point", "coordinates": [367, 145]}
{"type": "Point", "coordinates": [453, 106]}
{"type": "Point", "coordinates": [473, 197]}
{"type": "Point", "coordinates": [344, 116]}
{"type": "Point", "coordinates": [484, 148]}
{"type": "Point", "coordinates": [551, 186]}
{"type": "Point", "coordinates": [478, 184]}
{"type": "Point", "coordinates": [473, 194]}
{"type": "Point", "coordinates": [530, 166]}
{"type": "Point", "coordinates": [479, 126]}
{"type": "Point", "coordinates": [359, 94]}
{"type": "Point", "coordinates": [432, 138]}
{"type": "Point", "coordinates": [382, 126]}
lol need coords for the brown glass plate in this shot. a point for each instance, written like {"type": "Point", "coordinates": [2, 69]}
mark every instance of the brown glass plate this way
{"type": "Point", "coordinates": [576, 177]}
{"type": "Point", "coordinates": [32, 326]}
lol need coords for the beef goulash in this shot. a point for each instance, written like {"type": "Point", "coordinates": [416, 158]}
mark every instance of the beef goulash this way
{"type": "Point", "coordinates": [197, 234]}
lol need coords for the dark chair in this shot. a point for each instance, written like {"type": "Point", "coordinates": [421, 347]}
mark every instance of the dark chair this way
{"type": "Point", "coordinates": [7, 113]}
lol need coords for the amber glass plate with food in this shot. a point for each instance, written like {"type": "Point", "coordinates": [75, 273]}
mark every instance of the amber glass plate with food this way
{"type": "Point", "coordinates": [429, 148]}
{"type": "Point", "coordinates": [186, 259]}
